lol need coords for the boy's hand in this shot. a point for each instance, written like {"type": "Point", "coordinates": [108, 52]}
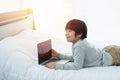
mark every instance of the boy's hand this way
{"type": "Point", "coordinates": [51, 65]}
{"type": "Point", "coordinates": [55, 54]}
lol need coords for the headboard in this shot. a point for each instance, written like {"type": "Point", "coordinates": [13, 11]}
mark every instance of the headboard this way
{"type": "Point", "coordinates": [14, 22]}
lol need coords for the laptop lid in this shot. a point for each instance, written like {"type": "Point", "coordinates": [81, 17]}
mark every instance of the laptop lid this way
{"type": "Point", "coordinates": [44, 51]}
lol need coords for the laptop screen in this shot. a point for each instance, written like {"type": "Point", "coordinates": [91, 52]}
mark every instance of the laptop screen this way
{"type": "Point", "coordinates": [44, 51]}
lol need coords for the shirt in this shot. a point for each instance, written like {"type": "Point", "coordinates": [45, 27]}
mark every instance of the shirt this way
{"type": "Point", "coordinates": [85, 55]}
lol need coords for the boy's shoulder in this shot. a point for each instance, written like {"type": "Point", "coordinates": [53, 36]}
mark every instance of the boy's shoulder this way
{"type": "Point", "coordinates": [83, 44]}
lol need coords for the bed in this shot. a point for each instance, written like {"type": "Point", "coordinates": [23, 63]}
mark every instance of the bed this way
{"type": "Point", "coordinates": [18, 53]}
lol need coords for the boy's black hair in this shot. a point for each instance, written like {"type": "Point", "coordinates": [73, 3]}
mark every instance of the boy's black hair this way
{"type": "Point", "coordinates": [78, 26]}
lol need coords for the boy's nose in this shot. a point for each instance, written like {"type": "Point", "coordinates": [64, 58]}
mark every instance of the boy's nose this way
{"type": "Point", "coordinates": [66, 34]}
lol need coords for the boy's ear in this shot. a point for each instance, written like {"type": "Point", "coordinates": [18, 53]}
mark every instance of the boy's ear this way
{"type": "Point", "coordinates": [79, 35]}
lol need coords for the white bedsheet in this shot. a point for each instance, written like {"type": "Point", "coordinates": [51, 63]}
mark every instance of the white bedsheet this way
{"type": "Point", "coordinates": [18, 61]}
{"type": "Point", "coordinates": [96, 73]}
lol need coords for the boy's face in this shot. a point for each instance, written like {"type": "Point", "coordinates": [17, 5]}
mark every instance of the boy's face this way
{"type": "Point", "coordinates": [70, 36]}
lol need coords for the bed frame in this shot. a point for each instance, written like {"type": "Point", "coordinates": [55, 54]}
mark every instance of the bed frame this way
{"type": "Point", "coordinates": [11, 23]}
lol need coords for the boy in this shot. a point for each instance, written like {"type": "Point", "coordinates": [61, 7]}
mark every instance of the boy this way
{"type": "Point", "coordinates": [84, 54]}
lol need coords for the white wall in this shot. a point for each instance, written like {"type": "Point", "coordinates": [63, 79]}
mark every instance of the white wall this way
{"type": "Point", "coordinates": [9, 5]}
{"type": "Point", "coordinates": [101, 16]}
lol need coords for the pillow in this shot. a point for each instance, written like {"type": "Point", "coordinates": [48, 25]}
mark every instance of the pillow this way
{"type": "Point", "coordinates": [33, 35]}
{"type": "Point", "coordinates": [12, 44]}
{"type": "Point", "coordinates": [37, 36]}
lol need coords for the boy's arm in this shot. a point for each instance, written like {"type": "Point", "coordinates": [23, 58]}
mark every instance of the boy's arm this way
{"type": "Point", "coordinates": [78, 62]}
{"type": "Point", "coordinates": [65, 57]}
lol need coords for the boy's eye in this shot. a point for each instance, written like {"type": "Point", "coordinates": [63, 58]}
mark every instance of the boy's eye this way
{"type": "Point", "coordinates": [69, 30]}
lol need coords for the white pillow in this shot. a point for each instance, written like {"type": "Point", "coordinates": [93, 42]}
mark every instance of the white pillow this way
{"type": "Point", "coordinates": [57, 44]}
{"type": "Point", "coordinates": [33, 35]}
{"type": "Point", "coordinates": [14, 44]}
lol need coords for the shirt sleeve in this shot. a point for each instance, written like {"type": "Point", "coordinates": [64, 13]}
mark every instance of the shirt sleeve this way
{"type": "Point", "coordinates": [78, 57]}
{"type": "Point", "coordinates": [66, 57]}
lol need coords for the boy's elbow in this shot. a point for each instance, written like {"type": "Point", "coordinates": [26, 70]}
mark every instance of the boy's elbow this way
{"type": "Point", "coordinates": [77, 67]}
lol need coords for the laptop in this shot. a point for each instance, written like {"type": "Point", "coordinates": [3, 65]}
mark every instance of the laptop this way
{"type": "Point", "coordinates": [45, 53]}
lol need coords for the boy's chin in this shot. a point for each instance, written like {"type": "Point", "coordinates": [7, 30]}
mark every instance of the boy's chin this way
{"type": "Point", "coordinates": [68, 41]}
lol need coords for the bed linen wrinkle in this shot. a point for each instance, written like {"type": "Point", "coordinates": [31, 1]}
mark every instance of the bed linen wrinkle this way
{"type": "Point", "coordinates": [14, 63]}
{"type": "Point", "coordinates": [22, 68]}
{"type": "Point", "coordinates": [43, 73]}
